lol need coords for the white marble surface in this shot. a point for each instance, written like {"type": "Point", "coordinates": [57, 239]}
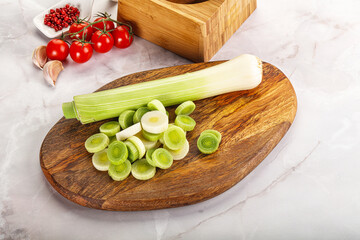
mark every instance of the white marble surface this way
{"type": "Point", "coordinates": [307, 188]}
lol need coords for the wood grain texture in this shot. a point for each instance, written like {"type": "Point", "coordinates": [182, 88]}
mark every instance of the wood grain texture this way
{"type": "Point", "coordinates": [251, 123]}
{"type": "Point", "coordinates": [194, 31]}
{"type": "Point", "coordinates": [187, 1]}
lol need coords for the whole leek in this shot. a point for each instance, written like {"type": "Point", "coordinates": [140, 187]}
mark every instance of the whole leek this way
{"type": "Point", "coordinates": [241, 73]}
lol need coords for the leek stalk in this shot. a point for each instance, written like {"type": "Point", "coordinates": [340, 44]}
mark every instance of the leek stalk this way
{"type": "Point", "coordinates": [241, 73]}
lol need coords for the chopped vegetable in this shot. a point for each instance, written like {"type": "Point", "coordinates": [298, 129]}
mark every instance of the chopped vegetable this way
{"type": "Point", "coordinates": [174, 125]}
{"type": "Point", "coordinates": [117, 152]}
{"type": "Point", "coordinates": [128, 132]}
{"type": "Point", "coordinates": [174, 138]}
{"type": "Point", "coordinates": [161, 138]}
{"type": "Point", "coordinates": [156, 105]}
{"type": "Point", "coordinates": [207, 143]}
{"type": "Point", "coordinates": [138, 144]}
{"type": "Point", "coordinates": [216, 133]}
{"type": "Point", "coordinates": [96, 142]}
{"type": "Point", "coordinates": [149, 156]}
{"type": "Point", "coordinates": [121, 171]}
{"type": "Point", "coordinates": [139, 113]}
{"type": "Point", "coordinates": [148, 144]}
{"type": "Point", "coordinates": [100, 160]}
{"type": "Point", "coordinates": [142, 170]}
{"type": "Point", "coordinates": [185, 122]}
{"type": "Point", "coordinates": [155, 122]}
{"type": "Point", "coordinates": [150, 136]}
{"type": "Point", "coordinates": [241, 73]}
{"type": "Point", "coordinates": [110, 128]}
{"type": "Point", "coordinates": [181, 153]}
{"type": "Point", "coordinates": [126, 118]}
{"type": "Point", "coordinates": [133, 153]}
{"type": "Point", "coordinates": [162, 158]}
{"type": "Point", "coordinates": [186, 108]}
{"type": "Point", "coordinates": [113, 138]}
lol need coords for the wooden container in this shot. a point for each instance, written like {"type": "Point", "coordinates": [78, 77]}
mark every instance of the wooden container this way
{"type": "Point", "coordinates": [195, 31]}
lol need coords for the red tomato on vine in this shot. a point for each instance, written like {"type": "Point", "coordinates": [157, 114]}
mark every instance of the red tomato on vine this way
{"type": "Point", "coordinates": [105, 24]}
{"type": "Point", "coordinates": [77, 26]}
{"type": "Point", "coordinates": [80, 52]}
{"type": "Point", "coordinates": [57, 49]}
{"type": "Point", "coordinates": [122, 36]}
{"type": "Point", "coordinates": [102, 41]}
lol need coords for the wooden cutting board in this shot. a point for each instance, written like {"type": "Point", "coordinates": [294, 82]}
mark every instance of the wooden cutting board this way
{"type": "Point", "coordinates": [251, 122]}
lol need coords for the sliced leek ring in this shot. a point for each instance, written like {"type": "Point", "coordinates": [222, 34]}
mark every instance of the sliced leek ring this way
{"type": "Point", "coordinates": [155, 122]}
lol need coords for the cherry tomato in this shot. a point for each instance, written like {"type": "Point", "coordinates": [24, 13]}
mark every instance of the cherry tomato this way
{"type": "Point", "coordinates": [80, 52]}
{"type": "Point", "coordinates": [108, 24]}
{"type": "Point", "coordinates": [122, 37]}
{"type": "Point", "coordinates": [57, 49]}
{"type": "Point", "coordinates": [78, 26]}
{"type": "Point", "coordinates": [102, 42]}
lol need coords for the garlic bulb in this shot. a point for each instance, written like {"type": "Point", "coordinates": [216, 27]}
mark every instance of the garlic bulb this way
{"type": "Point", "coordinates": [52, 70]}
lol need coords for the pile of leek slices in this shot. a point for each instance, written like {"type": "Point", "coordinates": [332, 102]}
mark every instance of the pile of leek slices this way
{"type": "Point", "coordinates": [143, 140]}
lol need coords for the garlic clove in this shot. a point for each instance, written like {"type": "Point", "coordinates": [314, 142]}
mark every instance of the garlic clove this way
{"type": "Point", "coordinates": [39, 56]}
{"type": "Point", "coordinates": [51, 71]}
